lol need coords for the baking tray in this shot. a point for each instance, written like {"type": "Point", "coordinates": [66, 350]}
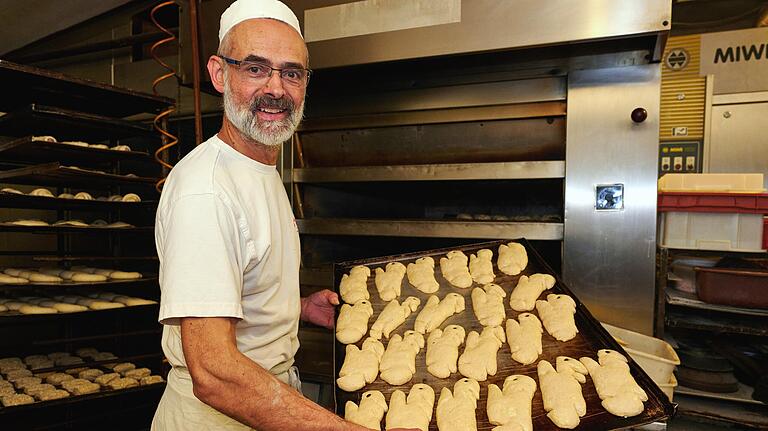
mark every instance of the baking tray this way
{"type": "Point", "coordinates": [591, 338]}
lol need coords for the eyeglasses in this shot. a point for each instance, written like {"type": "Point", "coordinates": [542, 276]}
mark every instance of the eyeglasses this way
{"type": "Point", "coordinates": [261, 71]}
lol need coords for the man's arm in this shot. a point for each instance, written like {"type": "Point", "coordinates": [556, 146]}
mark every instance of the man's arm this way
{"type": "Point", "coordinates": [233, 384]}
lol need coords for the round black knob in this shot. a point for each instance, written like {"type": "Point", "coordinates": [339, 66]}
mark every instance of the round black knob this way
{"type": "Point", "coordinates": [639, 115]}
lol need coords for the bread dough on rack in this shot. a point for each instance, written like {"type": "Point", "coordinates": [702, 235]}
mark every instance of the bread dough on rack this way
{"type": "Point", "coordinates": [75, 143]}
{"type": "Point", "coordinates": [557, 314]}
{"type": "Point", "coordinates": [371, 411]}
{"type": "Point", "coordinates": [352, 323]}
{"type": "Point", "coordinates": [150, 380]}
{"type": "Point", "coordinates": [414, 412]}
{"type": "Point", "coordinates": [455, 270]}
{"type": "Point", "coordinates": [393, 315]}
{"type": "Point", "coordinates": [512, 258]}
{"type": "Point", "coordinates": [16, 400]}
{"type": "Point", "coordinates": [436, 311]}
{"type": "Point", "coordinates": [421, 275]}
{"type": "Point", "coordinates": [9, 279]}
{"type": "Point", "coordinates": [354, 286]}
{"type": "Point", "coordinates": [41, 192]}
{"type": "Point", "coordinates": [479, 357]}
{"type": "Point", "coordinates": [528, 290]}
{"type": "Point", "coordinates": [389, 282]}
{"type": "Point", "coordinates": [84, 196]}
{"type": "Point", "coordinates": [66, 196]}
{"type": "Point", "coordinates": [443, 350]}
{"type": "Point", "coordinates": [99, 146]}
{"type": "Point", "coordinates": [524, 338]}
{"type": "Point", "coordinates": [456, 410]}
{"type": "Point", "coordinates": [481, 266]}
{"type": "Point", "coordinates": [361, 366]}
{"type": "Point", "coordinates": [510, 408]}
{"type": "Point", "coordinates": [121, 148]}
{"type": "Point", "coordinates": [63, 307]}
{"type": "Point", "coordinates": [561, 391]}
{"type": "Point", "coordinates": [12, 190]}
{"type": "Point", "coordinates": [82, 277]}
{"type": "Point", "coordinates": [131, 197]}
{"type": "Point", "coordinates": [618, 390]}
{"type": "Point", "coordinates": [34, 309]}
{"type": "Point", "coordinates": [43, 138]}
{"type": "Point", "coordinates": [30, 222]}
{"type": "Point", "coordinates": [398, 364]}
{"type": "Point", "coordinates": [488, 304]}
{"type": "Point", "coordinates": [71, 223]}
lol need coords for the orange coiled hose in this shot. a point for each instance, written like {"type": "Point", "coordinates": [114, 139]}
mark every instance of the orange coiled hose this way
{"type": "Point", "coordinates": [160, 121]}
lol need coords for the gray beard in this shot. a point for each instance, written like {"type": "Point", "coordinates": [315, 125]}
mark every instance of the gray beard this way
{"type": "Point", "coordinates": [269, 133]}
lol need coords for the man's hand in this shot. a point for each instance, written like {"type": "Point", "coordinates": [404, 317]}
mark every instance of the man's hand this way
{"type": "Point", "coordinates": [318, 308]}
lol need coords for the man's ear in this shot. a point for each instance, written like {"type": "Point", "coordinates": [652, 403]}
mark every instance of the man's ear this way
{"type": "Point", "coordinates": [216, 71]}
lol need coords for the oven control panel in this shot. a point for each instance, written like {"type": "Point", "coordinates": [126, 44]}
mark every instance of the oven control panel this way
{"type": "Point", "coordinates": [679, 157]}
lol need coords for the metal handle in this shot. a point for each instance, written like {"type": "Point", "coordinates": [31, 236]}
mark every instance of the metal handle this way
{"type": "Point", "coordinates": [639, 115]}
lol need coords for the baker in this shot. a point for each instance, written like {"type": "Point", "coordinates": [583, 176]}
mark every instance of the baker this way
{"type": "Point", "coordinates": [229, 246]}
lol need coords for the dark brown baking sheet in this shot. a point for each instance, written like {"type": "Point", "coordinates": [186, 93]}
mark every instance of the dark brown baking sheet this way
{"type": "Point", "coordinates": [591, 338]}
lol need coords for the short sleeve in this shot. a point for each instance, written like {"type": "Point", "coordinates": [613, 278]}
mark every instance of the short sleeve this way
{"type": "Point", "coordinates": [201, 260]}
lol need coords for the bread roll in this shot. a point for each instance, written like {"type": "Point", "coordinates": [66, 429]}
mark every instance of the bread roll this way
{"type": "Point", "coordinates": [58, 378]}
{"type": "Point", "coordinates": [30, 223]}
{"type": "Point", "coordinates": [138, 373]}
{"type": "Point", "coordinates": [66, 196]}
{"type": "Point", "coordinates": [55, 394]}
{"type": "Point", "coordinates": [106, 378]}
{"type": "Point", "coordinates": [11, 190]}
{"type": "Point", "coordinates": [16, 400]}
{"type": "Point", "coordinates": [84, 196]}
{"type": "Point", "coordinates": [41, 192]}
{"type": "Point", "coordinates": [34, 309]}
{"type": "Point", "coordinates": [131, 197]}
{"type": "Point", "coordinates": [90, 374]}
{"type": "Point", "coordinates": [123, 383]}
{"type": "Point", "coordinates": [150, 380]}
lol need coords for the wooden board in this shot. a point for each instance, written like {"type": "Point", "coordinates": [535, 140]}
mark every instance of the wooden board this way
{"type": "Point", "coordinates": [591, 338]}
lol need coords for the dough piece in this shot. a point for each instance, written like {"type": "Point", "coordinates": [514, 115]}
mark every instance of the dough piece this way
{"type": "Point", "coordinates": [84, 196]}
{"type": "Point", "coordinates": [528, 290]}
{"type": "Point", "coordinates": [511, 407]}
{"type": "Point", "coordinates": [120, 224]}
{"type": "Point", "coordinates": [34, 309]}
{"type": "Point", "coordinates": [398, 364]}
{"type": "Point", "coordinates": [124, 275]}
{"type": "Point", "coordinates": [436, 311]}
{"type": "Point", "coordinates": [71, 223]}
{"type": "Point", "coordinates": [37, 277]}
{"type": "Point", "coordinates": [443, 350]}
{"type": "Point", "coordinates": [104, 356]}
{"type": "Point", "coordinates": [353, 322]}
{"type": "Point", "coordinates": [99, 146]}
{"type": "Point", "coordinates": [85, 388]}
{"type": "Point", "coordinates": [44, 138]}
{"type": "Point", "coordinates": [35, 358]}
{"type": "Point", "coordinates": [35, 389]}
{"type": "Point", "coordinates": [488, 304]}
{"type": "Point", "coordinates": [456, 411]}
{"type": "Point", "coordinates": [361, 366]}
{"type": "Point", "coordinates": [131, 197]}
{"type": "Point", "coordinates": [390, 282]}
{"type": "Point", "coordinates": [41, 192]}
{"type": "Point", "coordinates": [131, 301]}
{"type": "Point", "coordinates": [63, 307]}
{"type": "Point", "coordinates": [15, 305]}
{"type": "Point", "coordinates": [123, 383]}
{"type": "Point", "coordinates": [9, 279]}
{"type": "Point", "coordinates": [371, 410]}
{"type": "Point", "coordinates": [90, 374]}
{"type": "Point", "coordinates": [512, 258]}
{"type": "Point", "coordinates": [621, 394]}
{"type": "Point", "coordinates": [75, 143]}
{"type": "Point", "coordinates": [106, 378]}
{"type": "Point", "coordinates": [151, 380]}
{"type": "Point", "coordinates": [7, 390]}
{"type": "Point", "coordinates": [16, 400]}
{"type": "Point", "coordinates": [55, 394]}
{"type": "Point", "coordinates": [30, 223]}
{"type": "Point", "coordinates": [557, 315]}
{"type": "Point", "coordinates": [3, 308]}
{"type": "Point", "coordinates": [58, 378]}
{"type": "Point", "coordinates": [68, 360]}
{"type": "Point", "coordinates": [98, 223]}
{"type": "Point", "coordinates": [86, 352]}
{"type": "Point", "coordinates": [481, 266]}
{"type": "Point", "coordinates": [107, 296]}
{"type": "Point", "coordinates": [15, 374]}
{"type": "Point", "coordinates": [454, 269]}
{"type": "Point", "coordinates": [82, 277]}
{"type": "Point", "coordinates": [12, 190]}
{"type": "Point", "coordinates": [71, 384]}
{"type": "Point", "coordinates": [66, 196]}
{"type": "Point", "coordinates": [103, 305]}
{"type": "Point", "coordinates": [414, 412]}
{"type": "Point", "coordinates": [123, 367]}
{"type": "Point", "coordinates": [561, 391]}
{"type": "Point", "coordinates": [23, 382]}
{"type": "Point", "coordinates": [421, 275]}
{"type": "Point", "coordinates": [121, 148]}
{"type": "Point", "coordinates": [354, 286]}
{"type": "Point", "coordinates": [58, 355]}
{"type": "Point", "coordinates": [115, 198]}
{"type": "Point", "coordinates": [75, 371]}
{"type": "Point", "coordinates": [393, 315]}
{"type": "Point", "coordinates": [524, 338]}
{"type": "Point", "coordinates": [479, 357]}
{"type": "Point", "coordinates": [137, 373]}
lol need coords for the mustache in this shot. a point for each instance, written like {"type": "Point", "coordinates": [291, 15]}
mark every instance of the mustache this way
{"type": "Point", "coordinates": [283, 103]}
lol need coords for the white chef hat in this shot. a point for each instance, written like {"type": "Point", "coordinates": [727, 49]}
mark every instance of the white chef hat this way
{"type": "Point", "coordinates": [242, 10]}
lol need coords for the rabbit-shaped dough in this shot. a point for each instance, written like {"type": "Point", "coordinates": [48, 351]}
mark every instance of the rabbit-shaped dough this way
{"type": "Point", "coordinates": [390, 282]}
{"type": "Point", "coordinates": [415, 412]}
{"type": "Point", "coordinates": [557, 315]}
{"type": "Point", "coordinates": [621, 394]}
{"type": "Point", "coordinates": [370, 412]}
{"type": "Point", "coordinates": [393, 315]}
{"type": "Point", "coordinates": [528, 290]}
{"type": "Point", "coordinates": [479, 357]}
{"type": "Point", "coordinates": [488, 304]}
{"type": "Point", "coordinates": [421, 274]}
{"type": "Point", "coordinates": [354, 286]}
{"type": "Point", "coordinates": [456, 411]}
{"type": "Point", "coordinates": [524, 338]}
{"type": "Point", "coordinates": [512, 258]}
{"type": "Point", "coordinates": [361, 366]}
{"type": "Point", "coordinates": [398, 365]}
{"type": "Point", "coordinates": [443, 350]}
{"type": "Point", "coordinates": [481, 266]}
{"type": "Point", "coordinates": [561, 391]}
{"type": "Point", "coordinates": [436, 311]}
{"type": "Point", "coordinates": [454, 269]}
{"type": "Point", "coordinates": [510, 408]}
{"type": "Point", "coordinates": [353, 322]}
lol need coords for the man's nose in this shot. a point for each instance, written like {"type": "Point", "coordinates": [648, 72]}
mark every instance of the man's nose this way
{"type": "Point", "coordinates": [274, 85]}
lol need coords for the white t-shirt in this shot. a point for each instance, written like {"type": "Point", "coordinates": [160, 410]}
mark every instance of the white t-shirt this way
{"type": "Point", "coordinates": [229, 247]}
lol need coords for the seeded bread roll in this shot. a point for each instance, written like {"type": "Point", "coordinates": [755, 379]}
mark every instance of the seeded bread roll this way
{"type": "Point", "coordinates": [55, 394]}
{"type": "Point", "coordinates": [104, 356]}
{"type": "Point", "coordinates": [35, 358]}
{"type": "Point", "coordinates": [17, 373]}
{"type": "Point", "coordinates": [90, 374]}
{"type": "Point", "coordinates": [44, 375]}
{"type": "Point", "coordinates": [123, 367]}
{"type": "Point", "coordinates": [34, 309]}
{"type": "Point", "coordinates": [33, 390]}
{"type": "Point", "coordinates": [137, 374]}
{"type": "Point", "coordinates": [86, 352]}
{"type": "Point", "coordinates": [106, 378]}
{"type": "Point", "coordinates": [68, 360]}
{"type": "Point", "coordinates": [27, 381]}
{"type": "Point", "coordinates": [70, 384]}
{"type": "Point", "coordinates": [83, 389]}
{"type": "Point", "coordinates": [16, 400]}
{"type": "Point", "coordinates": [3, 308]}
{"type": "Point", "coordinates": [151, 380]}
{"type": "Point", "coordinates": [58, 355]}
{"type": "Point", "coordinates": [75, 371]}
{"type": "Point", "coordinates": [123, 383]}
{"type": "Point", "coordinates": [41, 365]}
{"type": "Point", "coordinates": [6, 391]}
{"type": "Point", "coordinates": [58, 378]}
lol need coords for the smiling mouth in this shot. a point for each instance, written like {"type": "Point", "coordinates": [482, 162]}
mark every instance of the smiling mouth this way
{"type": "Point", "coordinates": [271, 110]}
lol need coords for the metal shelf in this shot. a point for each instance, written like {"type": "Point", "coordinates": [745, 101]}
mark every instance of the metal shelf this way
{"type": "Point", "coordinates": [54, 174]}
{"type": "Point", "coordinates": [433, 172]}
{"type": "Point", "coordinates": [76, 284]}
{"type": "Point", "coordinates": [13, 200]}
{"type": "Point", "coordinates": [22, 85]}
{"type": "Point", "coordinates": [743, 395]}
{"type": "Point", "coordinates": [67, 125]}
{"type": "Point", "coordinates": [683, 299]}
{"type": "Point", "coordinates": [91, 258]}
{"type": "Point", "coordinates": [14, 317]}
{"type": "Point", "coordinates": [26, 150]}
{"type": "Point", "coordinates": [430, 228]}
{"type": "Point", "coordinates": [712, 322]}
{"type": "Point", "coordinates": [6, 227]}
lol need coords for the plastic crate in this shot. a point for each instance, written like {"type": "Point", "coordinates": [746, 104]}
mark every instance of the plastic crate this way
{"type": "Point", "coordinates": [734, 183]}
{"type": "Point", "coordinates": [655, 356]}
{"type": "Point", "coordinates": [712, 231]}
{"type": "Point", "coordinates": [753, 203]}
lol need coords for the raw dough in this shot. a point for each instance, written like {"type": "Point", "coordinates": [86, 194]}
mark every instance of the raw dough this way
{"type": "Point", "coordinates": [121, 148]}
{"type": "Point", "coordinates": [12, 190]}
{"type": "Point", "coordinates": [82, 277]}
{"type": "Point", "coordinates": [415, 412]}
{"type": "Point", "coordinates": [354, 286]}
{"type": "Point", "coordinates": [393, 315]}
{"type": "Point", "coordinates": [511, 407]}
{"type": "Point", "coordinates": [131, 197]}
{"type": "Point", "coordinates": [360, 366]}
{"type": "Point", "coordinates": [524, 338]}
{"type": "Point", "coordinates": [479, 357]}
{"type": "Point", "coordinates": [104, 305]}
{"type": "Point", "coordinates": [124, 275]}
{"type": "Point", "coordinates": [353, 322]}
{"type": "Point", "coordinates": [90, 374]}
{"type": "Point", "coordinates": [150, 380]}
{"type": "Point", "coordinates": [85, 388]}
{"type": "Point", "coordinates": [390, 282]}
{"type": "Point", "coordinates": [44, 138]}
{"type": "Point", "coordinates": [137, 373]}
{"type": "Point", "coordinates": [99, 146]}
{"type": "Point", "coordinates": [561, 391]}
{"type": "Point", "coordinates": [456, 411]}
{"type": "Point", "coordinates": [488, 304]}
{"type": "Point", "coordinates": [481, 266]}
{"type": "Point", "coordinates": [621, 394]}
{"type": "Point", "coordinates": [120, 224]}
{"type": "Point", "coordinates": [66, 196]}
{"type": "Point", "coordinates": [75, 143]}
{"type": "Point", "coordinates": [132, 302]}
{"type": "Point", "coordinates": [398, 364]}
{"type": "Point", "coordinates": [106, 378]}
{"type": "Point", "coordinates": [123, 383]}
{"type": "Point", "coordinates": [443, 350]}
{"type": "Point", "coordinates": [84, 196]}
{"type": "Point", "coordinates": [41, 192]}
{"type": "Point", "coordinates": [34, 309]}
{"type": "Point", "coordinates": [371, 410]}
{"type": "Point", "coordinates": [421, 275]}
{"type": "Point", "coordinates": [454, 269]}
{"type": "Point", "coordinates": [557, 315]}
{"type": "Point", "coordinates": [528, 290]}
{"type": "Point", "coordinates": [58, 378]}
{"type": "Point", "coordinates": [8, 279]}
{"type": "Point", "coordinates": [15, 374]}
{"type": "Point", "coordinates": [512, 258]}
{"type": "Point", "coordinates": [436, 311]}
{"type": "Point", "coordinates": [30, 223]}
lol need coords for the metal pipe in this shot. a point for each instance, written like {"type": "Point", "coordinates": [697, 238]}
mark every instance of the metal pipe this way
{"type": "Point", "coordinates": [194, 27]}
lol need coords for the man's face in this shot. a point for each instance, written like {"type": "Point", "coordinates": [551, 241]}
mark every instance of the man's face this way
{"type": "Point", "coordinates": [268, 110]}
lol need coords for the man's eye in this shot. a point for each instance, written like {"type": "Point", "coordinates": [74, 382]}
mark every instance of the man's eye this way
{"type": "Point", "coordinates": [257, 69]}
{"type": "Point", "coordinates": [292, 74]}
